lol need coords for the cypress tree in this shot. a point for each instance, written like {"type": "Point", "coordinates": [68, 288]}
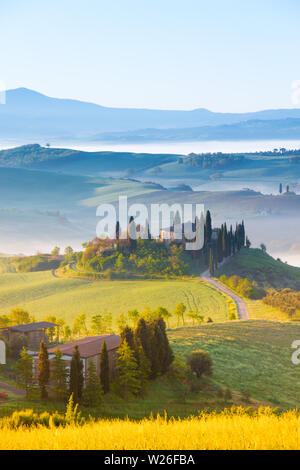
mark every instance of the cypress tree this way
{"type": "Point", "coordinates": [117, 230]}
{"type": "Point", "coordinates": [59, 376]}
{"type": "Point", "coordinates": [92, 393]}
{"type": "Point", "coordinates": [211, 263]}
{"type": "Point", "coordinates": [167, 356]}
{"type": "Point", "coordinates": [230, 241]}
{"type": "Point", "coordinates": [142, 337]}
{"type": "Point", "coordinates": [243, 234]}
{"type": "Point", "coordinates": [224, 241]}
{"type": "Point", "coordinates": [25, 372]}
{"type": "Point", "coordinates": [208, 228]}
{"type": "Point", "coordinates": [76, 376]}
{"type": "Point", "coordinates": [128, 374]}
{"type": "Point", "coordinates": [44, 370]}
{"type": "Point", "coordinates": [156, 349]}
{"type": "Point", "coordinates": [128, 335]}
{"type": "Point", "coordinates": [104, 368]}
{"type": "Point", "coordinates": [219, 246]}
{"type": "Point", "coordinates": [144, 370]}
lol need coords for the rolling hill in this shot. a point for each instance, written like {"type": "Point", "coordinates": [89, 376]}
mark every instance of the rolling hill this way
{"type": "Point", "coordinates": [246, 130]}
{"type": "Point", "coordinates": [262, 268]}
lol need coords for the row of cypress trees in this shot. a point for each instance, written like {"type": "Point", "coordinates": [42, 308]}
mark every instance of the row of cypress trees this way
{"type": "Point", "coordinates": [143, 354]}
{"type": "Point", "coordinates": [226, 243]}
{"type": "Point", "coordinates": [58, 375]}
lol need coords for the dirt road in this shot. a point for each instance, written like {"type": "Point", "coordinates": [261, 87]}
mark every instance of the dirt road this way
{"type": "Point", "coordinates": [239, 302]}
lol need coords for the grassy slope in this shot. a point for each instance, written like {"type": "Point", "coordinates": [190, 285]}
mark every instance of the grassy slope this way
{"type": "Point", "coordinates": [254, 356]}
{"type": "Point", "coordinates": [251, 169]}
{"type": "Point", "coordinates": [262, 268]}
{"type": "Point", "coordinates": [164, 394]}
{"type": "Point", "coordinates": [43, 294]}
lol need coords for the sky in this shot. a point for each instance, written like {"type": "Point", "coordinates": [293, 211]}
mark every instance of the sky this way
{"type": "Point", "coordinates": [224, 55]}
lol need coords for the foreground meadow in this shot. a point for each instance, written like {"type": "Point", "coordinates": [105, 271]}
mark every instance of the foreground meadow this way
{"type": "Point", "coordinates": [227, 430]}
{"type": "Point", "coordinates": [253, 356]}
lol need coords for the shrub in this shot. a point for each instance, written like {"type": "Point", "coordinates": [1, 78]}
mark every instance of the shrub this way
{"type": "Point", "coordinates": [246, 396]}
{"type": "Point", "coordinates": [232, 315]}
{"type": "Point", "coordinates": [227, 394]}
{"type": "Point", "coordinates": [200, 363]}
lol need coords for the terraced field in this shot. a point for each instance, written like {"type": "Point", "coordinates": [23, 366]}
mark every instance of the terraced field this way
{"type": "Point", "coordinates": [42, 294]}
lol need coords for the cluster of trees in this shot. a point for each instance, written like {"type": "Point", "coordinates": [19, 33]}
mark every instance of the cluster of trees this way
{"type": "Point", "coordinates": [213, 160]}
{"type": "Point", "coordinates": [286, 300]}
{"type": "Point", "coordinates": [220, 243]}
{"type": "Point", "coordinates": [180, 315]}
{"type": "Point", "coordinates": [146, 256]}
{"type": "Point", "coordinates": [20, 316]}
{"type": "Point", "coordinates": [17, 316]}
{"type": "Point", "coordinates": [135, 257]}
{"type": "Point", "coordinates": [144, 353]}
{"type": "Point", "coordinates": [245, 287]}
{"type": "Point", "coordinates": [35, 263]}
{"type": "Point", "coordinates": [44, 262]}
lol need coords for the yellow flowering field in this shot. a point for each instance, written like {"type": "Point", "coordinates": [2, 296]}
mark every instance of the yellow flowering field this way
{"type": "Point", "coordinates": [226, 430]}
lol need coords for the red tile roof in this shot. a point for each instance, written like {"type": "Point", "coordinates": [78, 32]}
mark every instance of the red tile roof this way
{"type": "Point", "coordinates": [90, 346]}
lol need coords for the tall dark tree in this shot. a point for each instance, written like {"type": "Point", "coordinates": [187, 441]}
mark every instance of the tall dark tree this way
{"type": "Point", "coordinates": [59, 376]}
{"type": "Point", "coordinates": [208, 227]}
{"type": "Point", "coordinates": [104, 368]}
{"type": "Point", "coordinates": [128, 377]}
{"type": "Point", "coordinates": [280, 188]}
{"type": "Point", "coordinates": [156, 349]}
{"type": "Point", "coordinates": [219, 246]}
{"type": "Point", "coordinates": [142, 337]}
{"type": "Point", "coordinates": [211, 263]}
{"type": "Point", "coordinates": [44, 370]}
{"type": "Point", "coordinates": [243, 234]}
{"type": "Point", "coordinates": [24, 369]}
{"type": "Point", "coordinates": [128, 335]}
{"type": "Point", "coordinates": [76, 376]}
{"type": "Point", "coordinates": [117, 230]}
{"type": "Point", "coordinates": [92, 393]}
{"type": "Point", "coordinates": [224, 241]}
{"type": "Point", "coordinates": [166, 353]}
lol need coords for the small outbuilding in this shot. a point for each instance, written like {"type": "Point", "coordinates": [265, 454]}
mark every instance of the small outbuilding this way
{"type": "Point", "coordinates": [34, 332]}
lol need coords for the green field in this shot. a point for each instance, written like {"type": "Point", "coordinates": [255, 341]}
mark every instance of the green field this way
{"type": "Point", "coordinates": [42, 294]}
{"type": "Point", "coordinates": [260, 311]}
{"type": "Point", "coordinates": [252, 356]}
{"type": "Point", "coordinates": [262, 268]}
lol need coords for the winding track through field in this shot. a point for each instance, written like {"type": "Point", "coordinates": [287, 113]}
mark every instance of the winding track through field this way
{"type": "Point", "coordinates": [241, 306]}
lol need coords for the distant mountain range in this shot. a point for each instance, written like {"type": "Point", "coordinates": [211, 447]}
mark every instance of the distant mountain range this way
{"type": "Point", "coordinates": [247, 130]}
{"type": "Point", "coordinates": [29, 115]}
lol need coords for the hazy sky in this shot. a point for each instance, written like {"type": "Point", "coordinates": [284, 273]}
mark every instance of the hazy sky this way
{"type": "Point", "coordinates": [224, 55]}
